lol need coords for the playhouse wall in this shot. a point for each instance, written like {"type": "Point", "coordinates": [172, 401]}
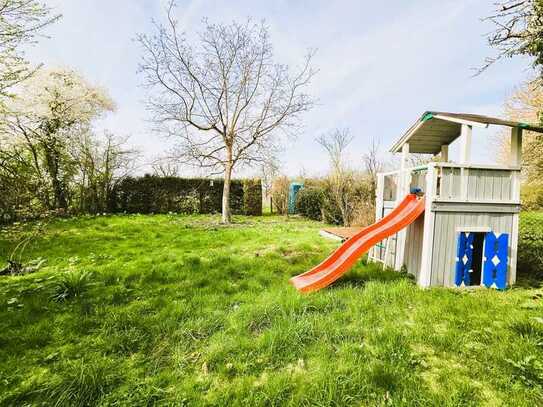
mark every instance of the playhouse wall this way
{"type": "Point", "coordinates": [446, 229]}
{"type": "Point", "coordinates": [482, 184]}
{"type": "Point", "coordinates": [413, 246]}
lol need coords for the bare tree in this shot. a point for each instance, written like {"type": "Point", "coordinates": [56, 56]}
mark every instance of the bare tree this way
{"type": "Point", "coordinates": [102, 162]}
{"type": "Point", "coordinates": [341, 181]}
{"type": "Point", "coordinates": [269, 170]}
{"type": "Point", "coordinates": [224, 98]}
{"type": "Point", "coordinates": [335, 143]}
{"type": "Point", "coordinates": [165, 168]}
{"type": "Point", "coordinates": [372, 163]}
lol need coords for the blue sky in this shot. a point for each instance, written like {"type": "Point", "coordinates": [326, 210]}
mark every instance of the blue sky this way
{"type": "Point", "coordinates": [381, 64]}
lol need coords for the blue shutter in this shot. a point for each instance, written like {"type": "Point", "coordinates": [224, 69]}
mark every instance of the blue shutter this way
{"type": "Point", "coordinates": [495, 260]}
{"type": "Point", "coordinates": [464, 258]}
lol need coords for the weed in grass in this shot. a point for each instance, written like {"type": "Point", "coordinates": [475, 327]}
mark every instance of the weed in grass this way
{"type": "Point", "coordinates": [72, 284]}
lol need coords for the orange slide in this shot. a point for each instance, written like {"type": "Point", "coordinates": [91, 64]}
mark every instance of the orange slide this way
{"type": "Point", "coordinates": [339, 262]}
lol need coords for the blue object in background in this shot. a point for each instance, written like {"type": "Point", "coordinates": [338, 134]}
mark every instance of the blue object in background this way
{"type": "Point", "coordinates": [495, 260]}
{"type": "Point", "coordinates": [464, 258]}
{"type": "Point", "coordinates": [292, 192]}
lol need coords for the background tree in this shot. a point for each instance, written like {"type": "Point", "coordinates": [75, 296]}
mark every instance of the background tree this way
{"type": "Point", "coordinates": [372, 163]}
{"type": "Point", "coordinates": [519, 31]}
{"type": "Point", "coordinates": [223, 98]}
{"type": "Point", "coordinates": [20, 22]}
{"type": "Point", "coordinates": [52, 109]}
{"type": "Point", "coordinates": [269, 170]}
{"type": "Point", "coordinates": [524, 105]}
{"type": "Point", "coordinates": [341, 180]}
{"type": "Point", "coordinates": [102, 163]}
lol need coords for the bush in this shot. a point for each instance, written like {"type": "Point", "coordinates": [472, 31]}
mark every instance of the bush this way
{"type": "Point", "coordinates": [309, 203]}
{"type": "Point", "coordinates": [279, 194]}
{"type": "Point", "coordinates": [154, 194]}
{"type": "Point", "coordinates": [530, 244]}
{"type": "Point", "coordinates": [331, 212]}
{"type": "Point", "coordinates": [348, 199]}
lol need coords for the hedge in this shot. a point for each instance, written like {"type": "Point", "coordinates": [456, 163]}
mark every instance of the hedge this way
{"type": "Point", "coordinates": [155, 194]}
{"type": "Point", "coordinates": [309, 202]}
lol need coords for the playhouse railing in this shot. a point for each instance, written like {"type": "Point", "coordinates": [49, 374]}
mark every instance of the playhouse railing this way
{"type": "Point", "coordinates": [392, 187]}
{"type": "Point", "coordinates": [476, 183]}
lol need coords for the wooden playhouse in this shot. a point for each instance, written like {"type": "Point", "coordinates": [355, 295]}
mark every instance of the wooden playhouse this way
{"type": "Point", "coordinates": [468, 233]}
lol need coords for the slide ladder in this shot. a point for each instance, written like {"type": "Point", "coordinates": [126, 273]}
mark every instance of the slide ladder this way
{"type": "Point", "coordinates": [343, 258]}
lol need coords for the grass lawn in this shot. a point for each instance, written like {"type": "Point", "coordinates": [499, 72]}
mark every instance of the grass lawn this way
{"type": "Point", "coordinates": [139, 310]}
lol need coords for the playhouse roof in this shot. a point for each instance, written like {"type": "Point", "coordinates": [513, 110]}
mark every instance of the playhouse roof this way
{"type": "Point", "coordinates": [435, 129]}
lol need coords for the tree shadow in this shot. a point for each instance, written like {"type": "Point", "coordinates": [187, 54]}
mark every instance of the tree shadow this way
{"type": "Point", "coordinates": [529, 279]}
{"type": "Point", "coordinates": [366, 272]}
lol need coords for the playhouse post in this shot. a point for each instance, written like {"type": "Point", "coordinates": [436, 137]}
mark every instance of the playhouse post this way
{"type": "Point", "coordinates": [515, 157]}
{"type": "Point", "coordinates": [465, 147]}
{"type": "Point", "coordinates": [515, 160]}
{"type": "Point", "coordinates": [445, 152]}
{"type": "Point", "coordinates": [404, 175]}
{"type": "Point", "coordinates": [379, 195]}
{"type": "Point", "coordinates": [403, 190]}
{"type": "Point", "coordinates": [465, 156]}
{"type": "Point", "coordinates": [425, 274]}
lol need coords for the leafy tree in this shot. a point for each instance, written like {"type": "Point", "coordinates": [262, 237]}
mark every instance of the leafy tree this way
{"type": "Point", "coordinates": [21, 21]}
{"type": "Point", "coordinates": [524, 105]}
{"type": "Point", "coordinates": [50, 111]}
{"type": "Point", "coordinates": [519, 31]}
{"type": "Point", "coordinates": [223, 98]}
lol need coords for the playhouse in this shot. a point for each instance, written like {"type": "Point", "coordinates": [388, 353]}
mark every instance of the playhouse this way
{"type": "Point", "coordinates": [467, 235]}
{"type": "Point", "coordinates": [447, 223]}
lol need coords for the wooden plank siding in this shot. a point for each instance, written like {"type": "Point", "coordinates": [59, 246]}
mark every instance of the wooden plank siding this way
{"type": "Point", "coordinates": [482, 184]}
{"type": "Point", "coordinates": [446, 232]}
{"type": "Point", "coordinates": [413, 247]}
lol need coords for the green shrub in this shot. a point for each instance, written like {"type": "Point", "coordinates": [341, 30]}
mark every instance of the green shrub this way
{"type": "Point", "coordinates": [309, 202]}
{"type": "Point", "coordinates": [188, 204]}
{"type": "Point", "coordinates": [252, 197]}
{"type": "Point", "coordinates": [530, 244]}
{"type": "Point", "coordinates": [331, 212]}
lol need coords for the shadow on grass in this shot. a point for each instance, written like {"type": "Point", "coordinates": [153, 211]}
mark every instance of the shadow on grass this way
{"type": "Point", "coordinates": [529, 280]}
{"type": "Point", "coordinates": [366, 272]}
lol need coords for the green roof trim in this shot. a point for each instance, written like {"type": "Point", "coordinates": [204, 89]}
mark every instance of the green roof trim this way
{"type": "Point", "coordinates": [523, 125]}
{"type": "Point", "coordinates": [427, 116]}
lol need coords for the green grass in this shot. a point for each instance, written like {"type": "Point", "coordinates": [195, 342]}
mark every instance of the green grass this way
{"type": "Point", "coordinates": [178, 310]}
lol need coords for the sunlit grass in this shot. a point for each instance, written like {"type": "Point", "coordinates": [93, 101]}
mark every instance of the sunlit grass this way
{"type": "Point", "coordinates": [182, 310]}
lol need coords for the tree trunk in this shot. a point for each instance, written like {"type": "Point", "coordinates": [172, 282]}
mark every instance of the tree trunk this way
{"type": "Point", "coordinates": [53, 163]}
{"type": "Point", "coordinates": [226, 214]}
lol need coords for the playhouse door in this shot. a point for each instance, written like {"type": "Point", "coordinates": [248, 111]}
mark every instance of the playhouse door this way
{"type": "Point", "coordinates": [464, 258]}
{"type": "Point", "coordinates": [495, 260]}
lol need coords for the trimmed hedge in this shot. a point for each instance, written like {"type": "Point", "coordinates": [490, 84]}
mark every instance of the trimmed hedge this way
{"type": "Point", "coordinates": [252, 197]}
{"type": "Point", "coordinates": [309, 202]}
{"type": "Point", "coordinates": [154, 194]}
